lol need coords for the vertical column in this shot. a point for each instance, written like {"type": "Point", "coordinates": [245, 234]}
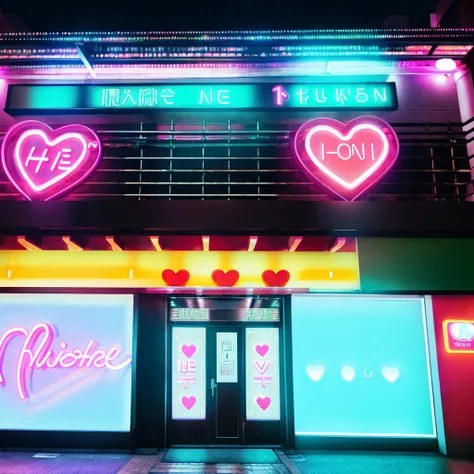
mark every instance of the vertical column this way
{"type": "Point", "coordinates": [465, 89]}
{"type": "Point", "coordinates": [150, 381]}
{"type": "Point", "coordinates": [287, 374]}
{"type": "Point", "coordinates": [453, 324]}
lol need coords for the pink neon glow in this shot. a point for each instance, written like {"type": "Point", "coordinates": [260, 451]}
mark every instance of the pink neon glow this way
{"type": "Point", "coordinates": [36, 353]}
{"type": "Point", "coordinates": [281, 94]}
{"type": "Point", "coordinates": [348, 153]}
{"type": "Point", "coordinates": [347, 159]}
{"type": "Point", "coordinates": [43, 164]}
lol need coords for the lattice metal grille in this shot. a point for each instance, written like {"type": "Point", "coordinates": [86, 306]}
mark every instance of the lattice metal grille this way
{"type": "Point", "coordinates": [196, 159]}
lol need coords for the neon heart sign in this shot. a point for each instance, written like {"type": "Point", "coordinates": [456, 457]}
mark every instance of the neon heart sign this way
{"type": "Point", "coordinates": [347, 159]}
{"type": "Point", "coordinates": [44, 163]}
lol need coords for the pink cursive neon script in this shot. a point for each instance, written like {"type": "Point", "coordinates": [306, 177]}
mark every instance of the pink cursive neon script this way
{"type": "Point", "coordinates": [36, 353]}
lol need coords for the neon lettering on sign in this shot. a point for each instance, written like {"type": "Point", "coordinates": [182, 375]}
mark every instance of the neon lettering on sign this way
{"type": "Point", "coordinates": [335, 96]}
{"type": "Point", "coordinates": [458, 336]}
{"type": "Point", "coordinates": [36, 353]}
{"type": "Point", "coordinates": [25, 99]}
{"type": "Point", "coordinates": [347, 159]}
{"type": "Point", "coordinates": [43, 163]}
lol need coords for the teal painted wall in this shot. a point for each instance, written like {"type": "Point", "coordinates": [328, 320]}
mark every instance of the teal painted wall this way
{"type": "Point", "coordinates": [416, 265]}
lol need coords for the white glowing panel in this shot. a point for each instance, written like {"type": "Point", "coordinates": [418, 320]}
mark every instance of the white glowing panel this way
{"type": "Point", "coordinates": [189, 373]}
{"type": "Point", "coordinates": [227, 362]}
{"type": "Point", "coordinates": [66, 362]}
{"type": "Point", "coordinates": [262, 371]}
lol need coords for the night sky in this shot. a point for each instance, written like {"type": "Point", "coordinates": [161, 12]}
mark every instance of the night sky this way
{"type": "Point", "coordinates": [86, 15]}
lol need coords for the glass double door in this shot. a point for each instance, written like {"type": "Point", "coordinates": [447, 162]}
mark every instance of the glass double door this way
{"type": "Point", "coordinates": [225, 385]}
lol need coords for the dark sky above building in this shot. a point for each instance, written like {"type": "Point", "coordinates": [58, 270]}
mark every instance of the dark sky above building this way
{"type": "Point", "coordinates": [86, 15]}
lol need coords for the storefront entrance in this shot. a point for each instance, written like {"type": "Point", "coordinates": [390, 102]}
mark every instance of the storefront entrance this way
{"type": "Point", "coordinates": [224, 383]}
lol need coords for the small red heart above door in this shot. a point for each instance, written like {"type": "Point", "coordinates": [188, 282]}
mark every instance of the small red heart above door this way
{"type": "Point", "coordinates": [222, 278]}
{"type": "Point", "coordinates": [281, 278]}
{"type": "Point", "coordinates": [179, 278]}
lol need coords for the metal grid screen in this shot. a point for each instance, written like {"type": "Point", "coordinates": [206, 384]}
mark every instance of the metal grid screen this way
{"type": "Point", "coordinates": [227, 159]}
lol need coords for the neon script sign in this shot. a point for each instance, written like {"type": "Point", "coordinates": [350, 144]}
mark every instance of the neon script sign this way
{"type": "Point", "coordinates": [36, 353]}
{"type": "Point", "coordinates": [43, 163]}
{"type": "Point", "coordinates": [347, 159]}
{"type": "Point", "coordinates": [25, 99]}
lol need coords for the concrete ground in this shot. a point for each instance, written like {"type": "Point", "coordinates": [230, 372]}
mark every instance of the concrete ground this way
{"type": "Point", "coordinates": [295, 463]}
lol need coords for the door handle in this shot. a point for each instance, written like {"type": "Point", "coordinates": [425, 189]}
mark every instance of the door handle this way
{"type": "Point", "coordinates": [213, 386]}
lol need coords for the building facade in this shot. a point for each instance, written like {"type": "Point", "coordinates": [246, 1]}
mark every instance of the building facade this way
{"type": "Point", "coordinates": [237, 238]}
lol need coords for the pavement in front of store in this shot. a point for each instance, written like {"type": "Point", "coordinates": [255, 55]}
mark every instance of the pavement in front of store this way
{"type": "Point", "coordinates": [294, 463]}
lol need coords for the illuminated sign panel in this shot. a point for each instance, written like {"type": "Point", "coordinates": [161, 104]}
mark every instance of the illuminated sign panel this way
{"type": "Point", "coordinates": [44, 163]}
{"type": "Point", "coordinates": [458, 336]}
{"type": "Point", "coordinates": [188, 374]}
{"type": "Point", "coordinates": [347, 159]}
{"type": "Point", "coordinates": [227, 360]}
{"type": "Point", "coordinates": [189, 314]}
{"type": "Point", "coordinates": [24, 99]}
{"type": "Point", "coordinates": [262, 371]}
{"type": "Point", "coordinates": [66, 362]}
{"type": "Point", "coordinates": [262, 314]}
{"type": "Point", "coordinates": [361, 367]}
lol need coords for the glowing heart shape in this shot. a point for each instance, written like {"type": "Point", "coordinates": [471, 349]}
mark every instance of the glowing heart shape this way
{"type": "Point", "coordinates": [315, 372]}
{"type": "Point", "coordinates": [188, 351]}
{"type": "Point", "coordinates": [222, 278]}
{"type": "Point", "coordinates": [390, 373]}
{"type": "Point", "coordinates": [188, 402]}
{"type": "Point", "coordinates": [179, 278]}
{"type": "Point", "coordinates": [281, 278]}
{"type": "Point", "coordinates": [347, 159]}
{"type": "Point", "coordinates": [261, 350]}
{"type": "Point", "coordinates": [43, 163]}
{"type": "Point", "coordinates": [348, 373]}
{"type": "Point", "coordinates": [264, 402]}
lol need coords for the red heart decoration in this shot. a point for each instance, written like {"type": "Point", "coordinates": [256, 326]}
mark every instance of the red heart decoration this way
{"type": "Point", "coordinates": [172, 278]}
{"type": "Point", "coordinates": [270, 278]}
{"type": "Point", "coordinates": [44, 163]}
{"type": "Point", "coordinates": [347, 159]}
{"type": "Point", "coordinates": [222, 278]}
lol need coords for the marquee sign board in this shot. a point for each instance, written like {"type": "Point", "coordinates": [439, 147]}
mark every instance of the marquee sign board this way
{"type": "Point", "coordinates": [27, 99]}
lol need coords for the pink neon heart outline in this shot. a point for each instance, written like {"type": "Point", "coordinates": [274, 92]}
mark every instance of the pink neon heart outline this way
{"type": "Point", "coordinates": [60, 177]}
{"type": "Point", "coordinates": [11, 166]}
{"type": "Point", "coordinates": [308, 165]}
{"type": "Point", "coordinates": [364, 176]}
